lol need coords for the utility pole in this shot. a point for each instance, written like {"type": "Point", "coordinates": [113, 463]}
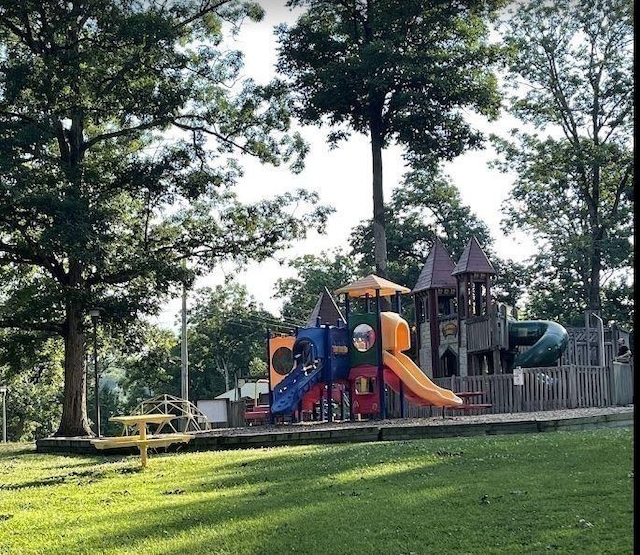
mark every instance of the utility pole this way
{"type": "Point", "coordinates": [3, 393]}
{"type": "Point", "coordinates": [184, 356]}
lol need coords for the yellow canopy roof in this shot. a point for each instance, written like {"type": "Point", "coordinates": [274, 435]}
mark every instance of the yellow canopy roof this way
{"type": "Point", "coordinates": [369, 285]}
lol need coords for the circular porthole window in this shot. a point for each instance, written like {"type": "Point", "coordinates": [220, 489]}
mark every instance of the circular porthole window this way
{"type": "Point", "coordinates": [282, 360]}
{"type": "Point", "coordinates": [363, 337]}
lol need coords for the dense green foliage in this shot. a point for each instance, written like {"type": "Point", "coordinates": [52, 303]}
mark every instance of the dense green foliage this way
{"type": "Point", "coordinates": [32, 372]}
{"type": "Point", "coordinates": [572, 71]}
{"type": "Point", "coordinates": [425, 205]}
{"type": "Point", "coordinates": [314, 272]}
{"type": "Point", "coordinates": [561, 492]}
{"type": "Point", "coordinates": [227, 339]}
{"type": "Point", "coordinates": [119, 137]}
{"type": "Point", "coordinates": [397, 71]}
{"type": "Point", "coordinates": [151, 369]}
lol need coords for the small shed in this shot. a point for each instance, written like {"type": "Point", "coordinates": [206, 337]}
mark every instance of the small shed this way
{"type": "Point", "coordinates": [256, 391]}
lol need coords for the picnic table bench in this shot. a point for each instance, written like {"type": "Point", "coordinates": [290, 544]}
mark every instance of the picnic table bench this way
{"type": "Point", "coordinates": [141, 440]}
{"type": "Point", "coordinates": [258, 414]}
{"type": "Point", "coordinates": [467, 405]}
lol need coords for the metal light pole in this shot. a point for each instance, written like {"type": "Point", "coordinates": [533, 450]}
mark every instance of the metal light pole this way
{"type": "Point", "coordinates": [3, 392]}
{"type": "Point", "coordinates": [95, 317]}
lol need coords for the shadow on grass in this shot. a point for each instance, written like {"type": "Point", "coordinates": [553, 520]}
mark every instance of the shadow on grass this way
{"type": "Point", "coordinates": [474, 495]}
{"type": "Point", "coordinates": [271, 492]}
{"type": "Point", "coordinates": [484, 495]}
{"type": "Point", "coordinates": [11, 451]}
{"type": "Point", "coordinates": [86, 473]}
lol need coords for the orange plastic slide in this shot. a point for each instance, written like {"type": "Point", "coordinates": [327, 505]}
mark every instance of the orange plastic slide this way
{"type": "Point", "coordinates": [419, 384]}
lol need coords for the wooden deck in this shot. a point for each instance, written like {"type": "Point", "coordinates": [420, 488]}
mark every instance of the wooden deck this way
{"type": "Point", "coordinates": [374, 430]}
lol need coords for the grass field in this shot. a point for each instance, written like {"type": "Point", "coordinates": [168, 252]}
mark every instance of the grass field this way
{"type": "Point", "coordinates": [562, 492]}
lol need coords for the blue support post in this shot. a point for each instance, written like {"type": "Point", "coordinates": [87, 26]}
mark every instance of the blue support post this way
{"type": "Point", "coordinates": [328, 372]}
{"type": "Point", "coordinates": [383, 408]}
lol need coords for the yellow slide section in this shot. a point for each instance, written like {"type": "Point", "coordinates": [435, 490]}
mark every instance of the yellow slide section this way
{"type": "Point", "coordinates": [419, 384]}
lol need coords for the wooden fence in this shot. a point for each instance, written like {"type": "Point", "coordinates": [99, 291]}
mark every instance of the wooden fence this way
{"type": "Point", "coordinates": [549, 388]}
{"type": "Point", "coordinates": [590, 346]}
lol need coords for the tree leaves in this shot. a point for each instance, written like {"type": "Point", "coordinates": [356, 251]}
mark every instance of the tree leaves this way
{"type": "Point", "coordinates": [572, 74]}
{"type": "Point", "coordinates": [121, 127]}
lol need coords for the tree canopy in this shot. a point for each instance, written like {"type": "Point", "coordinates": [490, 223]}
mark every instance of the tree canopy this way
{"type": "Point", "coordinates": [314, 272]}
{"type": "Point", "coordinates": [227, 336]}
{"type": "Point", "coordinates": [398, 71]}
{"type": "Point", "coordinates": [572, 71]}
{"type": "Point", "coordinates": [425, 206]}
{"type": "Point", "coordinates": [119, 136]}
{"type": "Point", "coordinates": [31, 370]}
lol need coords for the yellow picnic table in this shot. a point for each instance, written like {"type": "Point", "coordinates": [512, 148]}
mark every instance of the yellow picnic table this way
{"type": "Point", "coordinates": [141, 440]}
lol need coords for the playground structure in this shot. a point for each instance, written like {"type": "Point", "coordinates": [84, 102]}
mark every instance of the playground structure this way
{"type": "Point", "coordinates": [186, 417]}
{"type": "Point", "coordinates": [351, 364]}
{"type": "Point", "coordinates": [460, 331]}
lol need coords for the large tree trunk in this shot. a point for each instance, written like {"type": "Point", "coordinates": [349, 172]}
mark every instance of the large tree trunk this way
{"type": "Point", "coordinates": [593, 288]}
{"type": "Point", "coordinates": [74, 406]}
{"type": "Point", "coordinates": [379, 233]}
{"type": "Point", "coordinates": [597, 236]}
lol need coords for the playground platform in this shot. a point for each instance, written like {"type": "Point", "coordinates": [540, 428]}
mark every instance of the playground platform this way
{"type": "Point", "coordinates": [373, 430]}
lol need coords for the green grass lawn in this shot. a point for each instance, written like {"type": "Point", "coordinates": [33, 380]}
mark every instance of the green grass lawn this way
{"type": "Point", "coordinates": [562, 492]}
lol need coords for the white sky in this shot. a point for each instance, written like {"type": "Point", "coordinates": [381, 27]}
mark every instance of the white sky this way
{"type": "Point", "coordinates": [343, 179]}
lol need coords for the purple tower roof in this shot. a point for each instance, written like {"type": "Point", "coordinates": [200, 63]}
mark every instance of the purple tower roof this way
{"type": "Point", "coordinates": [437, 270]}
{"type": "Point", "coordinates": [473, 260]}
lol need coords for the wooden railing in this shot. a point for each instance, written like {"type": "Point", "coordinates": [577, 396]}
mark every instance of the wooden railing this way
{"type": "Point", "coordinates": [479, 333]}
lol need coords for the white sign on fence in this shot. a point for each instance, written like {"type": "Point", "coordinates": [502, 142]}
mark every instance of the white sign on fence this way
{"type": "Point", "coordinates": [518, 376]}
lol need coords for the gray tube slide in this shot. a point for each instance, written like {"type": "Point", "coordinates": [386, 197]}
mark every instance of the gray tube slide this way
{"type": "Point", "coordinates": [548, 341]}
